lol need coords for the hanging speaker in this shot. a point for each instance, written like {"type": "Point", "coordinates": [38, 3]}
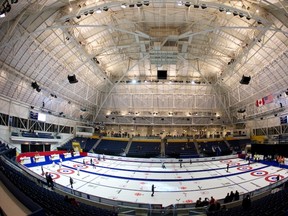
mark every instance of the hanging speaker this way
{"type": "Point", "coordinates": [72, 79]}
{"type": "Point", "coordinates": [161, 74]}
{"type": "Point", "coordinates": [245, 80]}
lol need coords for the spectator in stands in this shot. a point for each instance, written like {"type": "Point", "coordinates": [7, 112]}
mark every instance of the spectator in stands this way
{"type": "Point", "coordinates": [47, 179]}
{"type": "Point", "coordinates": [236, 195]}
{"type": "Point", "coordinates": [50, 181]}
{"type": "Point", "coordinates": [212, 201]}
{"type": "Point", "coordinates": [231, 196]}
{"type": "Point", "coordinates": [66, 199]}
{"type": "Point", "coordinates": [198, 203]}
{"type": "Point", "coordinates": [205, 202]}
{"type": "Point", "coordinates": [246, 203]}
{"type": "Point", "coordinates": [227, 198]}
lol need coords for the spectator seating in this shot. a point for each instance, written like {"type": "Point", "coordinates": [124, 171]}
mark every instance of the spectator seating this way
{"type": "Point", "coordinates": [111, 147]}
{"type": "Point", "coordinates": [239, 145]}
{"type": "Point", "coordinates": [181, 150]}
{"type": "Point", "coordinates": [215, 148]}
{"type": "Point", "coordinates": [144, 149]}
{"type": "Point", "coordinates": [53, 203]}
{"type": "Point", "coordinates": [29, 134]}
{"type": "Point", "coordinates": [275, 204]}
{"type": "Point", "coordinates": [85, 143]}
{"type": "Point", "coordinates": [45, 135]}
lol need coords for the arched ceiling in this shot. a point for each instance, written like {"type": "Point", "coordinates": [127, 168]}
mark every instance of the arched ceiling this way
{"type": "Point", "coordinates": [115, 52]}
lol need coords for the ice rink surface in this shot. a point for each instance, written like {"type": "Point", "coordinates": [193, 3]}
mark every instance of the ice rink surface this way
{"type": "Point", "coordinates": [131, 179]}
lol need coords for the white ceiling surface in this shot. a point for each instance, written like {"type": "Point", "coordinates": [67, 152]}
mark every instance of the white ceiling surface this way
{"type": "Point", "coordinates": [44, 41]}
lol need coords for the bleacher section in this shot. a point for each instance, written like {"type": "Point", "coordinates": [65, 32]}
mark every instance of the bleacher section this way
{"type": "Point", "coordinates": [85, 143]}
{"type": "Point", "coordinates": [42, 135]}
{"type": "Point", "coordinates": [53, 203]}
{"type": "Point", "coordinates": [144, 149]}
{"type": "Point", "coordinates": [239, 145]}
{"type": "Point", "coordinates": [3, 147]}
{"type": "Point", "coordinates": [214, 148]}
{"type": "Point", "coordinates": [111, 147]}
{"type": "Point", "coordinates": [272, 205]}
{"type": "Point", "coordinates": [181, 150]}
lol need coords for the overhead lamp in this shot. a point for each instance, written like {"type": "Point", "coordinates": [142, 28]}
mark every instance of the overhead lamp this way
{"type": "Point", "coordinates": [123, 5]}
{"type": "Point", "coordinates": [196, 6]}
{"type": "Point", "coordinates": [187, 4]}
{"type": "Point", "coordinates": [228, 12]}
{"type": "Point", "coordinates": [105, 8]}
{"type": "Point", "coordinates": [248, 17]}
{"type": "Point", "coordinates": [235, 13]}
{"type": "Point", "coordinates": [146, 3]}
{"type": "Point", "coordinates": [67, 20]}
{"type": "Point", "coordinates": [259, 22]}
{"type": "Point", "coordinates": [241, 15]}
{"type": "Point", "coordinates": [98, 11]}
{"type": "Point", "coordinates": [2, 15]}
{"type": "Point", "coordinates": [14, 1]}
{"type": "Point", "coordinates": [179, 3]}
{"type": "Point", "coordinates": [91, 12]}
{"type": "Point", "coordinates": [131, 5]}
{"type": "Point", "coordinates": [139, 4]}
{"type": "Point", "coordinates": [78, 16]}
{"type": "Point", "coordinates": [203, 6]}
{"type": "Point", "coordinates": [221, 9]}
{"type": "Point", "coordinates": [70, 9]}
{"type": "Point", "coordinates": [85, 13]}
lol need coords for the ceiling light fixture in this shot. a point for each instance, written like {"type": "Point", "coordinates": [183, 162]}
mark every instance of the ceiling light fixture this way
{"type": "Point", "coordinates": [123, 5]}
{"type": "Point", "coordinates": [203, 6]}
{"type": "Point", "coordinates": [228, 12]}
{"type": "Point", "coordinates": [139, 4]}
{"type": "Point", "coordinates": [235, 13]}
{"type": "Point", "coordinates": [146, 3]}
{"type": "Point", "coordinates": [187, 4]}
{"type": "Point", "coordinates": [105, 8]}
{"type": "Point", "coordinates": [98, 11]}
{"type": "Point", "coordinates": [221, 9]}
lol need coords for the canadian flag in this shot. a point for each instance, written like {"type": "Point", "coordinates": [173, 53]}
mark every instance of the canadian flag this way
{"type": "Point", "coordinates": [260, 102]}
